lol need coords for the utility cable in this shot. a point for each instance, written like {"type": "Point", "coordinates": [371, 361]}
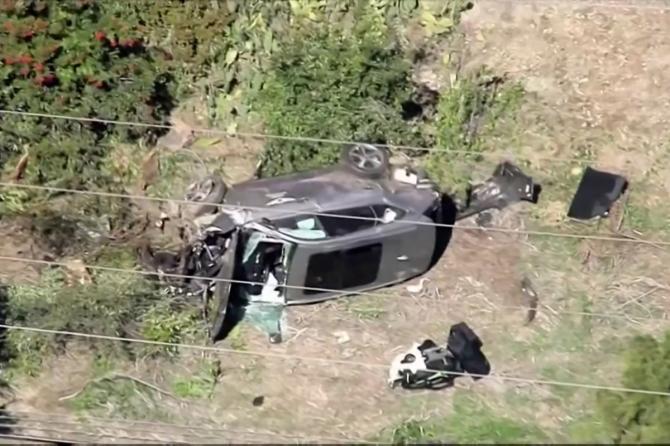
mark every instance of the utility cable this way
{"type": "Point", "coordinates": [339, 293]}
{"type": "Point", "coordinates": [277, 137]}
{"type": "Point", "coordinates": [270, 209]}
{"type": "Point", "coordinates": [345, 362]}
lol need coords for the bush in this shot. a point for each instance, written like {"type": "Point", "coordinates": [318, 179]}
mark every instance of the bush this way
{"type": "Point", "coordinates": [328, 81]}
{"type": "Point", "coordinates": [636, 417]}
{"type": "Point", "coordinates": [467, 112]}
{"type": "Point", "coordinates": [72, 58]}
{"type": "Point", "coordinates": [165, 323]}
{"type": "Point", "coordinates": [104, 308]}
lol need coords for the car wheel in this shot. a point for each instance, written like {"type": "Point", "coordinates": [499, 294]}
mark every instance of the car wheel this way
{"type": "Point", "coordinates": [367, 160]}
{"type": "Point", "coordinates": [211, 189]}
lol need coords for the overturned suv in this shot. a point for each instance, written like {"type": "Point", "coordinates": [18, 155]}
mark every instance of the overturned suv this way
{"type": "Point", "coordinates": [313, 236]}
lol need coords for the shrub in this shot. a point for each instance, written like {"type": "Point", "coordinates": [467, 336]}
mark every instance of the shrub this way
{"type": "Point", "coordinates": [636, 417]}
{"type": "Point", "coordinates": [72, 58]}
{"type": "Point", "coordinates": [327, 81]}
{"type": "Point", "coordinates": [467, 113]}
{"type": "Point", "coordinates": [104, 308]}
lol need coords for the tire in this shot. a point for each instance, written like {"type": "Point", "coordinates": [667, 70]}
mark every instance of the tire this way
{"type": "Point", "coordinates": [211, 189]}
{"type": "Point", "coordinates": [366, 160]}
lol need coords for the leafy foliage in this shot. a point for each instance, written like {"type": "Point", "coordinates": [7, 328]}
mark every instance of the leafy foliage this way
{"type": "Point", "coordinates": [72, 58]}
{"type": "Point", "coordinates": [467, 113]}
{"type": "Point", "coordinates": [329, 81]}
{"type": "Point", "coordinates": [104, 308]}
{"type": "Point", "coordinates": [636, 417]}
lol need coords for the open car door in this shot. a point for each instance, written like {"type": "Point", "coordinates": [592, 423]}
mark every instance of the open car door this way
{"type": "Point", "coordinates": [219, 299]}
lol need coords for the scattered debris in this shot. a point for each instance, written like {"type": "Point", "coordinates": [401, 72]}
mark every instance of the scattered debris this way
{"type": "Point", "coordinates": [530, 297]}
{"type": "Point", "coordinates": [414, 289]}
{"type": "Point", "coordinates": [596, 193]}
{"type": "Point", "coordinates": [507, 185]}
{"type": "Point", "coordinates": [428, 366]}
{"type": "Point", "coordinates": [20, 169]}
{"type": "Point", "coordinates": [76, 272]}
{"type": "Point", "coordinates": [342, 337]}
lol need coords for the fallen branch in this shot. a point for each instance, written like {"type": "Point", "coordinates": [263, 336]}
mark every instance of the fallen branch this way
{"type": "Point", "coordinates": [114, 376]}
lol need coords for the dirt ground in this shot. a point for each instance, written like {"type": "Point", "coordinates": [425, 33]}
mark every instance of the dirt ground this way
{"type": "Point", "coordinates": [599, 76]}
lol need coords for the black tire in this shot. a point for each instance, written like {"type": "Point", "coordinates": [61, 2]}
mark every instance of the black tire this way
{"type": "Point", "coordinates": [366, 160]}
{"type": "Point", "coordinates": [211, 189]}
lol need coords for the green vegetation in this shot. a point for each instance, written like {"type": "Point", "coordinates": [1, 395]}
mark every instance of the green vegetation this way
{"type": "Point", "coordinates": [169, 324]}
{"type": "Point", "coordinates": [73, 58]}
{"type": "Point", "coordinates": [104, 307]}
{"type": "Point", "coordinates": [468, 423]}
{"type": "Point", "coordinates": [636, 417]}
{"type": "Point", "coordinates": [329, 82]}
{"type": "Point", "coordinates": [119, 397]}
{"type": "Point", "coordinates": [201, 384]}
{"type": "Point", "coordinates": [468, 112]}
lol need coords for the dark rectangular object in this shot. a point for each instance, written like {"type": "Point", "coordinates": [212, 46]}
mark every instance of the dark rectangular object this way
{"type": "Point", "coordinates": [596, 193]}
{"type": "Point", "coordinates": [466, 346]}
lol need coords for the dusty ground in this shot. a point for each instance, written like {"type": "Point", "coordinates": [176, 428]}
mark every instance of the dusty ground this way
{"type": "Point", "coordinates": [599, 76]}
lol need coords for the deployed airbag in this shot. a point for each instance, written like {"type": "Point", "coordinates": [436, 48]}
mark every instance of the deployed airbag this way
{"type": "Point", "coordinates": [596, 193]}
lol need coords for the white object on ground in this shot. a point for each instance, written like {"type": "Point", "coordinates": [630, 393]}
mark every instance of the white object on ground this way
{"type": "Point", "coordinates": [418, 287]}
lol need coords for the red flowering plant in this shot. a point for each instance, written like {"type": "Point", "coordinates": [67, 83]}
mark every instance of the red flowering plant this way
{"type": "Point", "coordinates": [70, 57]}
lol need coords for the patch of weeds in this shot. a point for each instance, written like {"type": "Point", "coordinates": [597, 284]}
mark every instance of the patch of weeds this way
{"type": "Point", "coordinates": [13, 201]}
{"type": "Point", "coordinates": [413, 431]}
{"type": "Point", "coordinates": [200, 385]}
{"type": "Point", "coordinates": [365, 307]}
{"type": "Point", "coordinates": [175, 170]}
{"type": "Point", "coordinates": [586, 428]}
{"type": "Point", "coordinates": [469, 422]}
{"type": "Point", "coordinates": [166, 324]}
{"type": "Point", "coordinates": [553, 253]}
{"type": "Point", "coordinates": [236, 339]}
{"type": "Point", "coordinates": [646, 219]}
{"type": "Point", "coordinates": [120, 398]}
{"type": "Point", "coordinates": [103, 307]}
{"type": "Point", "coordinates": [115, 256]}
{"type": "Point", "coordinates": [367, 312]}
{"type": "Point", "coordinates": [468, 113]}
{"type": "Point", "coordinates": [571, 336]}
{"type": "Point", "coordinates": [565, 372]}
{"type": "Point", "coordinates": [102, 365]}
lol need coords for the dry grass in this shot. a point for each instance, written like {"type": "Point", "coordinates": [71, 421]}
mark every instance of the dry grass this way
{"type": "Point", "coordinates": [590, 101]}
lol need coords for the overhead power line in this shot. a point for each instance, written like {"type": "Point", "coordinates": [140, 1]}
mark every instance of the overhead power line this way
{"type": "Point", "coordinates": [344, 362]}
{"type": "Point", "coordinates": [271, 209]}
{"type": "Point", "coordinates": [341, 293]}
{"type": "Point", "coordinates": [266, 136]}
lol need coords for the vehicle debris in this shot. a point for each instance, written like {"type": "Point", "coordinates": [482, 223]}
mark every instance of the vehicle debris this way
{"type": "Point", "coordinates": [342, 337]}
{"type": "Point", "coordinates": [429, 366]}
{"type": "Point", "coordinates": [318, 235]}
{"type": "Point", "coordinates": [531, 299]}
{"type": "Point", "coordinates": [507, 185]}
{"type": "Point", "coordinates": [596, 193]}
{"type": "Point", "coordinates": [418, 287]}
